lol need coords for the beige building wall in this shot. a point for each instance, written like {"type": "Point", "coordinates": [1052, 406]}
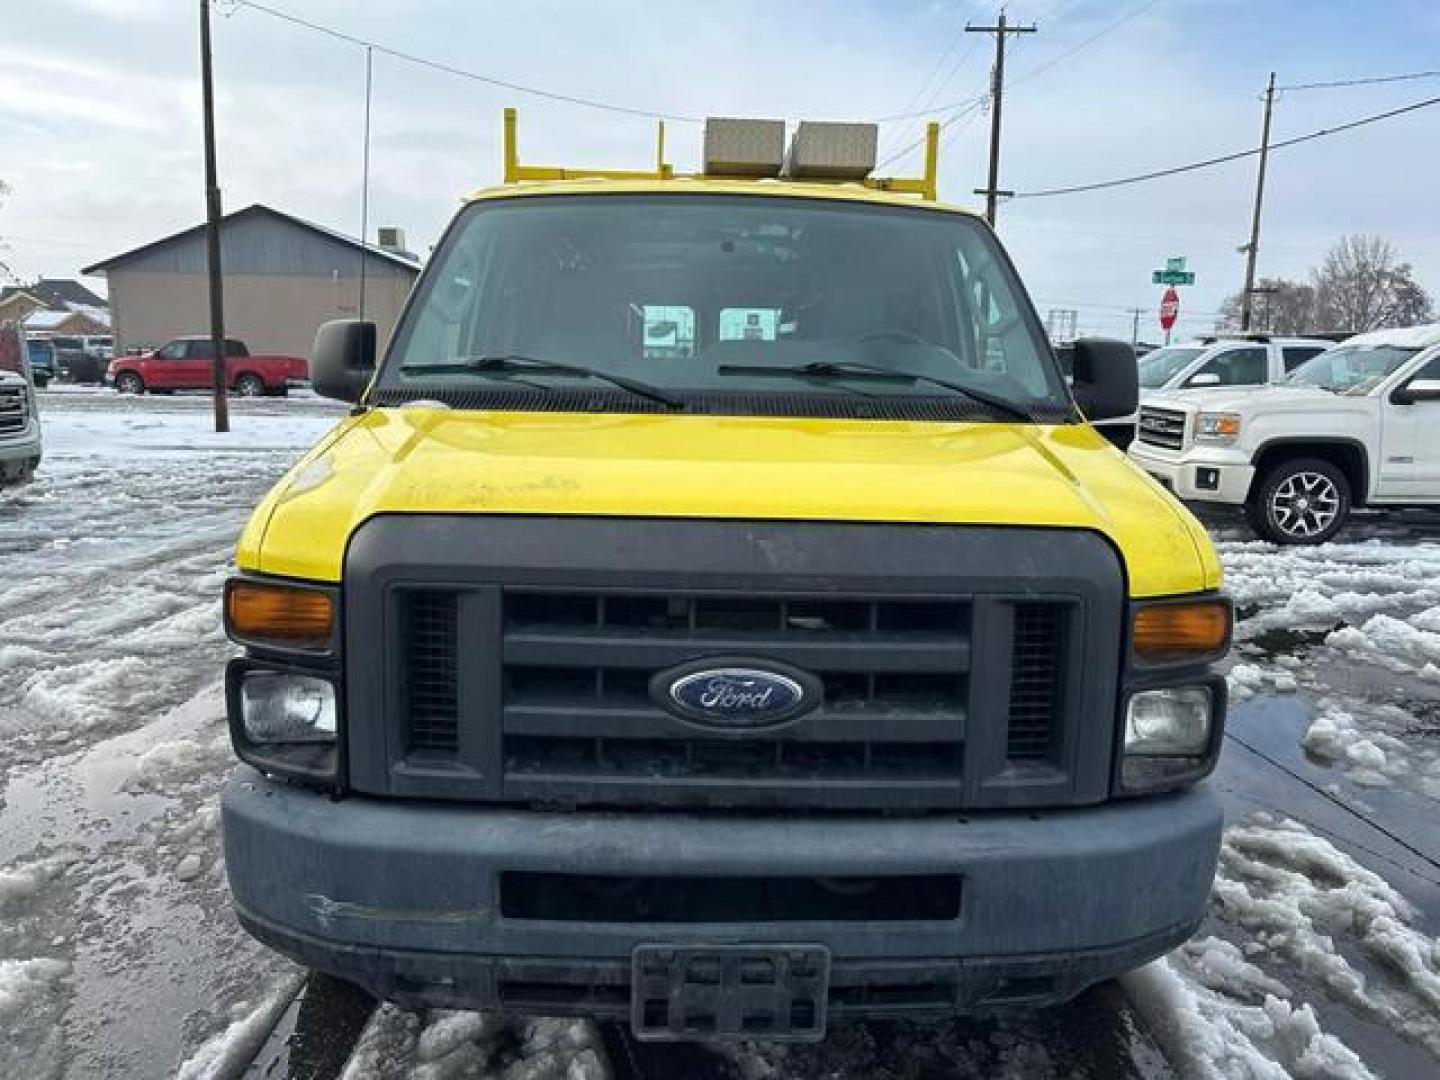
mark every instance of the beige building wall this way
{"type": "Point", "coordinates": [270, 314]}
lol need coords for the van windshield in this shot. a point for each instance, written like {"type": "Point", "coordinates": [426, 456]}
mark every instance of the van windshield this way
{"type": "Point", "coordinates": [1159, 367]}
{"type": "Point", "coordinates": [1351, 369]}
{"type": "Point", "coordinates": [730, 304]}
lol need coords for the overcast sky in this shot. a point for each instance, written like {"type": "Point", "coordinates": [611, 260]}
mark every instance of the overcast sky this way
{"type": "Point", "coordinates": [100, 136]}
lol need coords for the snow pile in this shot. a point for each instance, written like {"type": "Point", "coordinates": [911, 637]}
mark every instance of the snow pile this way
{"type": "Point", "coordinates": [19, 884]}
{"type": "Point", "coordinates": [449, 1045]}
{"type": "Point", "coordinates": [31, 1003]}
{"type": "Point", "coordinates": [1360, 741]}
{"type": "Point", "coordinates": [23, 982]}
{"type": "Point", "coordinates": [1246, 680]}
{"type": "Point", "coordinates": [1217, 1034]}
{"type": "Point", "coordinates": [1319, 586]}
{"type": "Point", "coordinates": [1295, 894]}
{"type": "Point", "coordinates": [157, 431]}
{"type": "Point", "coordinates": [232, 1049]}
{"type": "Point", "coordinates": [175, 764]}
{"type": "Point", "coordinates": [1401, 645]}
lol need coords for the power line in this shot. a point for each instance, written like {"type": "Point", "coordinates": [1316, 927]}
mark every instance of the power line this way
{"type": "Point", "coordinates": [966, 109]}
{"type": "Point", "coordinates": [1374, 80]}
{"type": "Point", "coordinates": [1047, 64]}
{"type": "Point", "coordinates": [929, 110]}
{"type": "Point", "coordinates": [1134, 14]}
{"type": "Point", "coordinates": [450, 69]}
{"type": "Point", "coordinates": [1224, 158]}
{"type": "Point", "coordinates": [919, 93]}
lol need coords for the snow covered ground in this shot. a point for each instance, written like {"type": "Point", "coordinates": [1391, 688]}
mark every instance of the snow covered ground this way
{"type": "Point", "coordinates": [119, 957]}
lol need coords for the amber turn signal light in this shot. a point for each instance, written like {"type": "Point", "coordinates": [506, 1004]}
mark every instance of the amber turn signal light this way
{"type": "Point", "coordinates": [1185, 632]}
{"type": "Point", "coordinates": [286, 616]}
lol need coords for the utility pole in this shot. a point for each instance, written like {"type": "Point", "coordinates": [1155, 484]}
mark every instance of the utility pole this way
{"type": "Point", "coordinates": [1001, 29]}
{"type": "Point", "coordinates": [1135, 326]}
{"type": "Point", "coordinates": [212, 228]}
{"type": "Point", "coordinates": [1252, 249]}
{"type": "Point", "coordinates": [365, 180]}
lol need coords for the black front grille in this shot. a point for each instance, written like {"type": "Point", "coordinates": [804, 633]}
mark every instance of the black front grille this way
{"type": "Point", "coordinates": [1162, 427]}
{"type": "Point", "coordinates": [432, 670]}
{"type": "Point", "coordinates": [13, 411]}
{"type": "Point", "coordinates": [579, 722]}
{"type": "Point", "coordinates": [528, 662]}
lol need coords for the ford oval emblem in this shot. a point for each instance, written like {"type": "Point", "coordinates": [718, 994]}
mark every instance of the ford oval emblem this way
{"type": "Point", "coordinates": [736, 695]}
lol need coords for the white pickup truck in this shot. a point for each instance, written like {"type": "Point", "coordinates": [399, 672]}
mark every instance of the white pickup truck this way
{"type": "Point", "coordinates": [1209, 363]}
{"type": "Point", "coordinates": [19, 418]}
{"type": "Point", "coordinates": [1358, 425]}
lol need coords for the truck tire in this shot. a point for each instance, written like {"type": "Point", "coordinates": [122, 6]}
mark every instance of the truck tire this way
{"type": "Point", "coordinates": [250, 385]}
{"type": "Point", "coordinates": [128, 382]}
{"type": "Point", "coordinates": [1299, 501]}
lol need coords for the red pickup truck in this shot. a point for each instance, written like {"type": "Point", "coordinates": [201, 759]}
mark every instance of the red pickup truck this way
{"type": "Point", "coordinates": [186, 364]}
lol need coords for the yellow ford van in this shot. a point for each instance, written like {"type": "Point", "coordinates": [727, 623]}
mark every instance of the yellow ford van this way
{"type": "Point", "coordinates": [717, 613]}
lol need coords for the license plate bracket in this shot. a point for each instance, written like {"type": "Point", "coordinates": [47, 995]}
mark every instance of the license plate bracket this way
{"type": "Point", "coordinates": [772, 992]}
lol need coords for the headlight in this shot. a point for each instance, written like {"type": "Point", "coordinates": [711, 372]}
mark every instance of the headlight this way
{"type": "Point", "coordinates": [284, 722]}
{"type": "Point", "coordinates": [1170, 737]}
{"type": "Point", "coordinates": [1217, 427]}
{"type": "Point", "coordinates": [1168, 723]}
{"type": "Point", "coordinates": [278, 707]}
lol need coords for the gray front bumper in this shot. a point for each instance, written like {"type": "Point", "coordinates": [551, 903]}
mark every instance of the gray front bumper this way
{"type": "Point", "coordinates": [402, 897]}
{"type": "Point", "coordinates": [19, 456]}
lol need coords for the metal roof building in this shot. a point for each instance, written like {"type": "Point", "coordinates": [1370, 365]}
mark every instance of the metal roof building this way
{"type": "Point", "coordinates": [284, 276]}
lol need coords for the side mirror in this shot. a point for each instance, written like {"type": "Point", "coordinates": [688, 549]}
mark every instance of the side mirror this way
{"type": "Point", "coordinates": [343, 359]}
{"type": "Point", "coordinates": [1416, 390]}
{"type": "Point", "coordinates": [1205, 378]}
{"type": "Point", "coordinates": [1107, 379]}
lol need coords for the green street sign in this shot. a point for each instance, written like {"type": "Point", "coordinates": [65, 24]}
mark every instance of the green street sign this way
{"type": "Point", "coordinates": [1176, 265]}
{"type": "Point", "coordinates": [1172, 277]}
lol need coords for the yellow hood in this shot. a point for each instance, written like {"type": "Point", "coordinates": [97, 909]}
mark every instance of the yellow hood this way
{"type": "Point", "coordinates": [424, 460]}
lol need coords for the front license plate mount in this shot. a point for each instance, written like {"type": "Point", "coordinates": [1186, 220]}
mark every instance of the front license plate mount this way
{"type": "Point", "coordinates": [770, 992]}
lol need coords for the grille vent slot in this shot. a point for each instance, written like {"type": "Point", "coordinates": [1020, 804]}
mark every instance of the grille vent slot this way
{"type": "Point", "coordinates": [1037, 681]}
{"type": "Point", "coordinates": [432, 624]}
{"type": "Point", "coordinates": [13, 412]}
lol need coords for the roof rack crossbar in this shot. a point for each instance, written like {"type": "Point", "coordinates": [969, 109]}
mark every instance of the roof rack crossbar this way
{"type": "Point", "coordinates": [515, 172]}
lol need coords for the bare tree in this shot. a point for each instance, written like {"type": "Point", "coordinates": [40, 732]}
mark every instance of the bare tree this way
{"type": "Point", "coordinates": [1281, 307]}
{"type": "Point", "coordinates": [1362, 285]}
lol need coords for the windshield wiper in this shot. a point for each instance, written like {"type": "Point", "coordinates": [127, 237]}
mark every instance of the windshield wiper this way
{"type": "Point", "coordinates": [511, 363]}
{"type": "Point", "coordinates": [849, 369]}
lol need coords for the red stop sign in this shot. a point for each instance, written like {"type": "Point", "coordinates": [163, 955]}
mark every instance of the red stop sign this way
{"type": "Point", "coordinates": [1169, 308]}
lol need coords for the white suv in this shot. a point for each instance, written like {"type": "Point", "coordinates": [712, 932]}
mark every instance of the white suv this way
{"type": "Point", "coordinates": [1355, 426]}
